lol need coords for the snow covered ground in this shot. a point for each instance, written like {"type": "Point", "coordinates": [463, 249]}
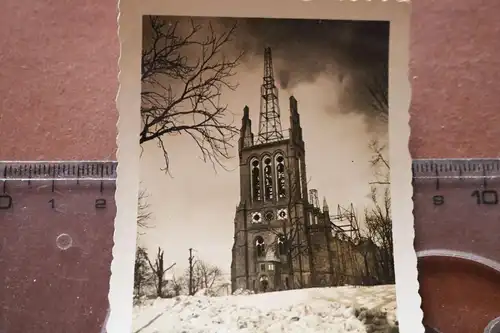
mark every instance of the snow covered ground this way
{"type": "Point", "coordinates": [333, 310]}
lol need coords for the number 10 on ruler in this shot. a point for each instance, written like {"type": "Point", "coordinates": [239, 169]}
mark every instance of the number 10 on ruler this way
{"type": "Point", "coordinates": [485, 197]}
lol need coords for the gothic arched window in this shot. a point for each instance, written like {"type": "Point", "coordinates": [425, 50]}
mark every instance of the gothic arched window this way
{"type": "Point", "coordinates": [280, 176]}
{"type": "Point", "coordinates": [260, 247]}
{"type": "Point", "coordinates": [268, 178]}
{"type": "Point", "coordinates": [255, 179]}
{"type": "Point", "coordinates": [281, 245]}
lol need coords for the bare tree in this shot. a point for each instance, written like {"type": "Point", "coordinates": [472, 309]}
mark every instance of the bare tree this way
{"type": "Point", "coordinates": [348, 244]}
{"type": "Point", "coordinates": [378, 219]}
{"type": "Point", "coordinates": [379, 225]}
{"type": "Point", "coordinates": [291, 239]}
{"type": "Point", "coordinates": [177, 285]}
{"type": "Point", "coordinates": [183, 77]}
{"type": "Point", "coordinates": [205, 276]}
{"type": "Point", "coordinates": [378, 92]}
{"type": "Point", "coordinates": [159, 271]}
{"type": "Point", "coordinates": [142, 271]}
{"type": "Point", "coordinates": [379, 163]}
{"type": "Point", "coordinates": [143, 212]}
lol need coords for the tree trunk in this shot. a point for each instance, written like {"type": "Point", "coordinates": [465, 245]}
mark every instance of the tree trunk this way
{"type": "Point", "coordinates": [159, 285]}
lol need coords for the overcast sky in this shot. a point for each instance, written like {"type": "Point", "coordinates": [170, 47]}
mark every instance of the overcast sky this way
{"type": "Point", "coordinates": [325, 65]}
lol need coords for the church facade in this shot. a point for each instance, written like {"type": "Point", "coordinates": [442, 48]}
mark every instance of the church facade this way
{"type": "Point", "coordinates": [282, 238]}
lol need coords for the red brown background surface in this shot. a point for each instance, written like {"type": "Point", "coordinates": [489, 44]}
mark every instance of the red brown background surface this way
{"type": "Point", "coordinates": [58, 85]}
{"type": "Point", "coordinates": [455, 62]}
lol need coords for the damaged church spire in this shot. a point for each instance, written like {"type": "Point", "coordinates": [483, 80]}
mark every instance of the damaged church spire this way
{"type": "Point", "coordinates": [269, 120]}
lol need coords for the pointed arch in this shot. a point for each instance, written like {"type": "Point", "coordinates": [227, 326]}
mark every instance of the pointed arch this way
{"type": "Point", "coordinates": [255, 181]}
{"type": "Point", "coordinates": [267, 172]}
{"type": "Point", "coordinates": [260, 246]}
{"type": "Point", "coordinates": [279, 164]}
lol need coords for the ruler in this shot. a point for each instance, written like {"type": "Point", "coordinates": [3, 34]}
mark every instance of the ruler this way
{"type": "Point", "coordinates": [56, 231]}
{"type": "Point", "coordinates": [56, 238]}
{"type": "Point", "coordinates": [457, 239]}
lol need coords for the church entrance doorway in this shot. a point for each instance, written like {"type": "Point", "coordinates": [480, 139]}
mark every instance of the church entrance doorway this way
{"type": "Point", "coordinates": [264, 283]}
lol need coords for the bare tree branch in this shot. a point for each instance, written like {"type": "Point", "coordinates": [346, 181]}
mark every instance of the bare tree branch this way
{"type": "Point", "coordinates": [378, 219]}
{"type": "Point", "coordinates": [142, 272]}
{"type": "Point", "coordinates": [378, 91]}
{"type": "Point", "coordinates": [208, 274]}
{"type": "Point", "coordinates": [178, 285]}
{"type": "Point", "coordinates": [143, 213]}
{"type": "Point", "coordinates": [379, 225]}
{"type": "Point", "coordinates": [159, 271]}
{"type": "Point", "coordinates": [291, 237]}
{"type": "Point", "coordinates": [181, 93]}
{"type": "Point", "coordinates": [205, 276]}
{"type": "Point", "coordinates": [379, 163]}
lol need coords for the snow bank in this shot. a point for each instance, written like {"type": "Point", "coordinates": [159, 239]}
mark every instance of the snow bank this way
{"type": "Point", "coordinates": [335, 310]}
{"type": "Point", "coordinates": [238, 292]}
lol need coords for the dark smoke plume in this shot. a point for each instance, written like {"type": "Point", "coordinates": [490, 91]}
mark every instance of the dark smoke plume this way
{"type": "Point", "coordinates": [284, 78]}
{"type": "Point", "coordinates": [350, 52]}
{"type": "Point", "coordinates": [307, 48]}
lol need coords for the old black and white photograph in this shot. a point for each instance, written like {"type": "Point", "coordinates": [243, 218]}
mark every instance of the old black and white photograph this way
{"type": "Point", "coordinates": [264, 201]}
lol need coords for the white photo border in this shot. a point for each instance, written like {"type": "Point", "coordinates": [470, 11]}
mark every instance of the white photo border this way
{"type": "Point", "coordinates": [397, 12]}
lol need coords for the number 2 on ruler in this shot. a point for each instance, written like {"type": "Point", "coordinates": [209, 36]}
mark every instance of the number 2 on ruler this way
{"type": "Point", "coordinates": [99, 203]}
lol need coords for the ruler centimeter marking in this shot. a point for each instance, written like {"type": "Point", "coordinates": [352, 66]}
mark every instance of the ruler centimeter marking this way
{"type": "Point", "coordinates": [455, 168]}
{"type": "Point", "coordinates": [106, 170]}
{"type": "Point", "coordinates": [56, 237]}
{"type": "Point", "coordinates": [64, 170]}
{"type": "Point", "coordinates": [460, 173]}
{"type": "Point", "coordinates": [438, 225]}
{"type": "Point", "coordinates": [457, 212]}
{"type": "Point", "coordinates": [50, 171]}
{"type": "Point", "coordinates": [435, 170]}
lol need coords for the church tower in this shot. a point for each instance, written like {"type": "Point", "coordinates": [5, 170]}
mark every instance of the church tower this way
{"type": "Point", "coordinates": [270, 250]}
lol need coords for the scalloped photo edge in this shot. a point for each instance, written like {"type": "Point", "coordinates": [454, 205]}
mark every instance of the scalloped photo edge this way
{"type": "Point", "coordinates": [219, 217]}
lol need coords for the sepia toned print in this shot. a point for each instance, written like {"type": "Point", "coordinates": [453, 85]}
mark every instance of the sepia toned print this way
{"type": "Point", "coordinates": [196, 72]}
{"type": "Point", "coordinates": [265, 185]}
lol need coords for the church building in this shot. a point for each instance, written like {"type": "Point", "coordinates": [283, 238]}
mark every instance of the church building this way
{"type": "Point", "coordinates": [282, 238]}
